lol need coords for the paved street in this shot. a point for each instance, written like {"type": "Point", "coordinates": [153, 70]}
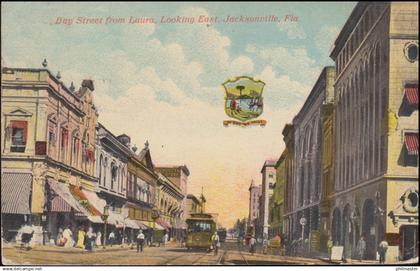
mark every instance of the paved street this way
{"type": "Point", "coordinates": [170, 255]}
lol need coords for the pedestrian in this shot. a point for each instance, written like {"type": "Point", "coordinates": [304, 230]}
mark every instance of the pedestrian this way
{"type": "Point", "coordinates": [68, 237]}
{"type": "Point", "coordinates": [88, 240]}
{"type": "Point", "coordinates": [140, 241]}
{"type": "Point", "coordinates": [252, 244]}
{"type": "Point", "coordinates": [81, 238]}
{"type": "Point", "coordinates": [361, 248]}
{"type": "Point", "coordinates": [165, 239]}
{"type": "Point", "coordinates": [382, 249]}
{"type": "Point", "coordinates": [329, 246]}
{"type": "Point", "coordinates": [111, 238]}
{"type": "Point", "coordinates": [215, 240]}
{"type": "Point", "coordinates": [98, 239]}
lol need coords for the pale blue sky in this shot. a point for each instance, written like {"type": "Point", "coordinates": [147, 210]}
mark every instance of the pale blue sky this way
{"type": "Point", "coordinates": [162, 82]}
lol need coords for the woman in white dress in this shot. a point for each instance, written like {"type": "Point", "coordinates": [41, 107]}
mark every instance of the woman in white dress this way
{"type": "Point", "coordinates": [68, 235]}
{"type": "Point", "coordinates": [98, 239]}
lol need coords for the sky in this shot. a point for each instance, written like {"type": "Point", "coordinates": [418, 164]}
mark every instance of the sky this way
{"type": "Point", "coordinates": [161, 82]}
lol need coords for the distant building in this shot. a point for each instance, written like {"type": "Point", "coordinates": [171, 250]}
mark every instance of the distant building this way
{"type": "Point", "coordinates": [268, 174]}
{"type": "Point", "coordinates": [178, 175]}
{"type": "Point", "coordinates": [288, 137]}
{"type": "Point", "coordinates": [276, 205]}
{"type": "Point", "coordinates": [254, 194]}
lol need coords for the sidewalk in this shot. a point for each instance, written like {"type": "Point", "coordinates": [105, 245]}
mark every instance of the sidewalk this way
{"type": "Point", "coordinates": [52, 248]}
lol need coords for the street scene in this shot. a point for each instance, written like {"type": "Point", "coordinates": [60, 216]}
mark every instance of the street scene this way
{"type": "Point", "coordinates": [167, 134]}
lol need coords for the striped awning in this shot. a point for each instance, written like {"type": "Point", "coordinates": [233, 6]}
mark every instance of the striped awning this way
{"type": "Point", "coordinates": [411, 141]}
{"type": "Point", "coordinates": [66, 200]}
{"type": "Point", "coordinates": [412, 94]}
{"type": "Point", "coordinates": [141, 225]}
{"type": "Point", "coordinates": [16, 193]}
{"type": "Point", "coordinates": [163, 223]}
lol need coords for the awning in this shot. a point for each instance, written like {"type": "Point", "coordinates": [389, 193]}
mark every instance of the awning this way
{"type": "Point", "coordinates": [131, 224]}
{"type": "Point", "coordinates": [141, 225]}
{"type": "Point", "coordinates": [64, 201]}
{"type": "Point", "coordinates": [412, 94]}
{"type": "Point", "coordinates": [93, 199]}
{"type": "Point", "coordinates": [152, 225]}
{"type": "Point", "coordinates": [411, 141]}
{"type": "Point", "coordinates": [16, 193]}
{"type": "Point", "coordinates": [116, 219]}
{"type": "Point", "coordinates": [163, 223]}
{"type": "Point", "coordinates": [81, 197]}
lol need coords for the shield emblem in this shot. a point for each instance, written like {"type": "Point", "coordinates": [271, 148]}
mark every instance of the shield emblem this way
{"type": "Point", "coordinates": [243, 98]}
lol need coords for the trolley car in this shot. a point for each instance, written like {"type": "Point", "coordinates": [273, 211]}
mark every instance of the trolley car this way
{"type": "Point", "coordinates": [200, 228]}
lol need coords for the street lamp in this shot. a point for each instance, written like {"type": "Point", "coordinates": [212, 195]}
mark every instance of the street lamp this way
{"type": "Point", "coordinates": [105, 216]}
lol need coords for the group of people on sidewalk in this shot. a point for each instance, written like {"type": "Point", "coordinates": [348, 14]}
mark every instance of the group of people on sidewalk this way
{"type": "Point", "coordinates": [361, 249]}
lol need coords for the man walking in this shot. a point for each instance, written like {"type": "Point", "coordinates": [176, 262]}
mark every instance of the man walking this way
{"type": "Point", "coordinates": [361, 248]}
{"type": "Point", "coordinates": [140, 241]}
{"type": "Point", "coordinates": [215, 242]}
{"type": "Point", "coordinates": [112, 238]}
{"type": "Point", "coordinates": [383, 247]}
{"type": "Point", "coordinates": [252, 243]}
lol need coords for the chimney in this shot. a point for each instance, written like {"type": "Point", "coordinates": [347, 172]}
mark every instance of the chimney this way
{"type": "Point", "coordinates": [88, 84]}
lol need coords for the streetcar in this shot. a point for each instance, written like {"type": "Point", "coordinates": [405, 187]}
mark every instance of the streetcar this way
{"type": "Point", "coordinates": [200, 228]}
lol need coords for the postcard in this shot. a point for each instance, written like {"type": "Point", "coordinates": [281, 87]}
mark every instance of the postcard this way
{"type": "Point", "coordinates": [209, 133]}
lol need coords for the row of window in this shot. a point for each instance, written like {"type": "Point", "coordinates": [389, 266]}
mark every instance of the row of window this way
{"type": "Point", "coordinates": [361, 132]}
{"type": "Point", "coordinates": [138, 189]}
{"type": "Point", "coordinates": [116, 173]}
{"type": "Point", "coordinates": [366, 22]}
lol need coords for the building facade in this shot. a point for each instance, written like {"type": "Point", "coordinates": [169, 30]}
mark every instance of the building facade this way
{"type": "Point", "coordinates": [288, 138]}
{"type": "Point", "coordinates": [376, 124]}
{"type": "Point", "coordinates": [141, 188]}
{"type": "Point", "coordinates": [253, 213]}
{"type": "Point", "coordinates": [178, 175]}
{"type": "Point", "coordinates": [268, 175]}
{"type": "Point", "coordinates": [307, 161]}
{"type": "Point", "coordinates": [48, 148]}
{"type": "Point", "coordinates": [169, 201]}
{"type": "Point", "coordinates": [276, 208]}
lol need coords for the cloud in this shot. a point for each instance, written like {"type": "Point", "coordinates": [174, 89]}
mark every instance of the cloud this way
{"type": "Point", "coordinates": [294, 62]}
{"type": "Point", "coordinates": [293, 30]}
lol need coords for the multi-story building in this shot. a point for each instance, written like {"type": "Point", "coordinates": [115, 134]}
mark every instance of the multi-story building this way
{"type": "Point", "coordinates": [179, 176]}
{"type": "Point", "coordinates": [307, 126]}
{"type": "Point", "coordinates": [111, 171]}
{"type": "Point", "coordinates": [47, 152]}
{"type": "Point", "coordinates": [288, 138]}
{"type": "Point", "coordinates": [169, 200]}
{"type": "Point", "coordinates": [268, 174]}
{"type": "Point", "coordinates": [276, 207]}
{"type": "Point", "coordinates": [376, 129]}
{"type": "Point", "coordinates": [254, 194]}
{"type": "Point", "coordinates": [141, 188]}
{"type": "Point", "coordinates": [327, 178]}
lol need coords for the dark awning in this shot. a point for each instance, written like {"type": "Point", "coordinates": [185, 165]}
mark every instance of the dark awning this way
{"type": "Point", "coordinates": [16, 193]}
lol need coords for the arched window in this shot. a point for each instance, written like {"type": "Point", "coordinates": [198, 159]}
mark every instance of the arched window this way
{"type": "Point", "coordinates": [75, 149]}
{"type": "Point", "coordinates": [100, 169]}
{"type": "Point", "coordinates": [114, 173]}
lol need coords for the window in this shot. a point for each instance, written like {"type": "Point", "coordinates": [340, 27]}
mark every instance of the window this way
{"type": "Point", "coordinates": [411, 51]}
{"type": "Point", "coordinates": [75, 151]}
{"type": "Point", "coordinates": [51, 133]}
{"type": "Point", "coordinates": [64, 142]}
{"type": "Point", "coordinates": [410, 151]}
{"type": "Point", "coordinates": [19, 130]}
{"type": "Point", "coordinates": [100, 170]}
{"type": "Point", "coordinates": [114, 173]}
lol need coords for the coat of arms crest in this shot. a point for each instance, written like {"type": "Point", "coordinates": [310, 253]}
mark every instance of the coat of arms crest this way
{"type": "Point", "coordinates": [243, 100]}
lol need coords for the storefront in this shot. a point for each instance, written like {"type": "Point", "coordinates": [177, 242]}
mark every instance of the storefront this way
{"type": "Point", "coordinates": [15, 203]}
